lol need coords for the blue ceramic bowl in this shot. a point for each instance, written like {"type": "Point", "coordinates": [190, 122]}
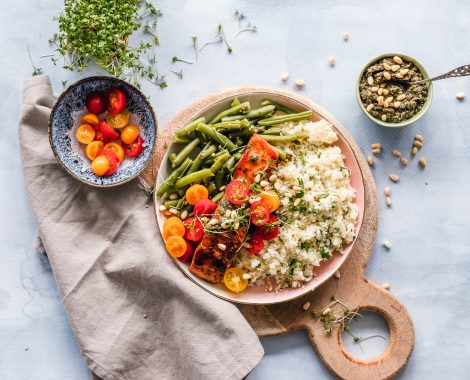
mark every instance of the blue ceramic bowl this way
{"type": "Point", "coordinates": [65, 119]}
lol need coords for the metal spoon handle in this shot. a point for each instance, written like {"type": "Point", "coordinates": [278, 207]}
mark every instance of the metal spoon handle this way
{"type": "Point", "coordinates": [461, 71]}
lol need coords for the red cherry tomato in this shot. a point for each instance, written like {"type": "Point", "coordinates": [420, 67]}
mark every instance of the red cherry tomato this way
{"type": "Point", "coordinates": [135, 148]}
{"type": "Point", "coordinates": [107, 130]}
{"type": "Point", "coordinates": [96, 102]}
{"type": "Point", "coordinates": [116, 101]}
{"type": "Point", "coordinates": [188, 254]}
{"type": "Point", "coordinates": [113, 161]}
{"type": "Point", "coordinates": [194, 230]}
{"type": "Point", "coordinates": [256, 244]}
{"type": "Point", "coordinates": [99, 136]}
{"type": "Point", "coordinates": [237, 192]}
{"type": "Point", "coordinates": [269, 231]}
{"type": "Point", "coordinates": [259, 213]}
{"type": "Point", "coordinates": [204, 207]}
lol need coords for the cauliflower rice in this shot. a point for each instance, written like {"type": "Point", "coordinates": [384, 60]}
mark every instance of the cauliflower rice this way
{"type": "Point", "coordinates": [311, 229]}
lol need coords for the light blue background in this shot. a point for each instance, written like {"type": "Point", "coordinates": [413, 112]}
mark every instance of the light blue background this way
{"type": "Point", "coordinates": [428, 265]}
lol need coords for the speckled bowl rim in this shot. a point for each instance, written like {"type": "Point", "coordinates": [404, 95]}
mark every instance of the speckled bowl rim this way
{"type": "Point", "coordinates": [106, 78]}
{"type": "Point", "coordinates": [421, 112]}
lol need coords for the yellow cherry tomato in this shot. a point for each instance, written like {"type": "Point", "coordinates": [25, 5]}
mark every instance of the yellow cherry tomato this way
{"type": "Point", "coordinates": [120, 120]}
{"type": "Point", "coordinates": [272, 199]}
{"type": "Point", "coordinates": [116, 148]}
{"type": "Point", "coordinates": [129, 134]}
{"type": "Point", "coordinates": [85, 134]}
{"type": "Point", "coordinates": [176, 246]}
{"type": "Point", "coordinates": [93, 148]}
{"type": "Point", "coordinates": [173, 227]}
{"type": "Point", "coordinates": [90, 118]}
{"type": "Point", "coordinates": [100, 165]}
{"type": "Point", "coordinates": [234, 281]}
{"type": "Point", "coordinates": [195, 193]}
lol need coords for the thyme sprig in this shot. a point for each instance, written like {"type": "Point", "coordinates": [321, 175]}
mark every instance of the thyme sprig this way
{"type": "Point", "coordinates": [248, 28]}
{"type": "Point", "coordinates": [36, 70]}
{"type": "Point", "coordinates": [149, 190]}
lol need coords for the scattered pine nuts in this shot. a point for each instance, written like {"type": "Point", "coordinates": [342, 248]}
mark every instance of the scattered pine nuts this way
{"type": "Point", "coordinates": [306, 306]}
{"type": "Point", "coordinates": [369, 107]}
{"type": "Point", "coordinates": [396, 104]}
{"type": "Point", "coordinates": [414, 151]}
{"type": "Point", "coordinates": [422, 162]}
{"type": "Point", "coordinates": [297, 189]}
{"type": "Point", "coordinates": [403, 161]}
{"type": "Point", "coordinates": [299, 83]}
{"type": "Point", "coordinates": [288, 195]}
{"type": "Point", "coordinates": [376, 146]}
{"type": "Point", "coordinates": [387, 75]}
{"type": "Point", "coordinates": [401, 97]}
{"type": "Point", "coordinates": [398, 60]}
{"type": "Point", "coordinates": [162, 208]}
{"type": "Point", "coordinates": [370, 81]}
{"type": "Point", "coordinates": [173, 196]}
{"type": "Point", "coordinates": [174, 211]}
{"type": "Point", "coordinates": [384, 117]}
{"type": "Point", "coordinates": [460, 95]}
{"type": "Point", "coordinates": [404, 72]}
{"type": "Point", "coordinates": [184, 214]}
{"type": "Point", "coordinates": [345, 36]}
{"type": "Point", "coordinates": [386, 286]}
{"type": "Point", "coordinates": [376, 151]}
{"type": "Point", "coordinates": [297, 201]}
{"type": "Point", "coordinates": [380, 91]}
{"type": "Point", "coordinates": [417, 144]}
{"type": "Point", "coordinates": [386, 105]}
{"type": "Point", "coordinates": [264, 183]}
{"type": "Point", "coordinates": [337, 274]}
{"type": "Point", "coordinates": [258, 178]}
{"type": "Point", "coordinates": [326, 311]}
{"type": "Point", "coordinates": [387, 67]}
{"type": "Point", "coordinates": [374, 89]}
{"type": "Point", "coordinates": [370, 160]}
{"type": "Point", "coordinates": [394, 177]}
{"type": "Point", "coordinates": [395, 67]}
{"type": "Point", "coordinates": [285, 77]}
{"type": "Point", "coordinates": [419, 138]}
{"type": "Point", "coordinates": [396, 153]}
{"type": "Point", "coordinates": [387, 244]}
{"type": "Point", "coordinates": [331, 60]}
{"type": "Point", "coordinates": [388, 201]}
{"type": "Point", "coordinates": [388, 191]}
{"type": "Point", "coordinates": [167, 213]}
{"type": "Point", "coordinates": [272, 177]}
{"type": "Point", "coordinates": [222, 247]}
{"type": "Point", "coordinates": [385, 91]}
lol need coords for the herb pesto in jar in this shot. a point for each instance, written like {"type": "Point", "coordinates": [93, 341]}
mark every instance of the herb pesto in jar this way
{"type": "Point", "coordinates": [383, 98]}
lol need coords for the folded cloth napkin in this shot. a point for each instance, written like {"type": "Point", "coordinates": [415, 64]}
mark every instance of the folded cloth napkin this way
{"type": "Point", "coordinates": [135, 315]}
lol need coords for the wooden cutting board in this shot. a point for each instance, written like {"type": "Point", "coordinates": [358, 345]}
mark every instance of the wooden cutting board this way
{"type": "Point", "coordinates": [352, 288]}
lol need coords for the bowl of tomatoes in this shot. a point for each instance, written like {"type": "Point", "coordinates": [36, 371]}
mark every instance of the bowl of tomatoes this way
{"type": "Point", "coordinates": [102, 130]}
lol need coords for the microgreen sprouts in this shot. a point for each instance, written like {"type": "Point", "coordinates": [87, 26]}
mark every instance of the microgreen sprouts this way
{"type": "Point", "coordinates": [36, 70]}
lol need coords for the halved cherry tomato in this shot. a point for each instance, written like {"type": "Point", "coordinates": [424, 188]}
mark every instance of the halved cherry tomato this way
{"type": "Point", "coordinates": [93, 148]}
{"type": "Point", "coordinates": [234, 281]}
{"type": "Point", "coordinates": [188, 254]}
{"type": "Point", "coordinates": [113, 160]}
{"type": "Point", "coordinates": [173, 227]}
{"type": "Point", "coordinates": [204, 207]}
{"type": "Point", "coordinates": [237, 192]}
{"type": "Point", "coordinates": [96, 102]}
{"type": "Point", "coordinates": [195, 193]}
{"type": "Point", "coordinates": [256, 244]}
{"type": "Point", "coordinates": [259, 213]}
{"type": "Point", "coordinates": [119, 120]}
{"type": "Point", "coordinates": [129, 134]}
{"type": "Point", "coordinates": [85, 134]}
{"type": "Point", "coordinates": [116, 101]}
{"type": "Point", "coordinates": [90, 119]}
{"type": "Point", "coordinates": [100, 165]}
{"type": "Point", "coordinates": [176, 246]}
{"type": "Point", "coordinates": [107, 130]}
{"type": "Point", "coordinates": [99, 136]}
{"type": "Point", "coordinates": [272, 199]}
{"type": "Point", "coordinates": [116, 148]}
{"type": "Point", "coordinates": [194, 229]}
{"type": "Point", "coordinates": [269, 231]}
{"type": "Point", "coordinates": [134, 149]}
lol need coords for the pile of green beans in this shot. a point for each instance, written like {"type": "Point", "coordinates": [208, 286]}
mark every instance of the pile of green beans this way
{"type": "Point", "coordinates": [209, 149]}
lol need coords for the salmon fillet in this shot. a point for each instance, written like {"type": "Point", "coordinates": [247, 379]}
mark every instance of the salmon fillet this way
{"type": "Point", "coordinates": [209, 261]}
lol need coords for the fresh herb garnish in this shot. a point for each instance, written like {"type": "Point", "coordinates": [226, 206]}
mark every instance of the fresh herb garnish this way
{"type": "Point", "coordinates": [36, 70]}
{"type": "Point", "coordinates": [248, 28]}
{"type": "Point", "coordinates": [325, 252]}
{"type": "Point", "coordinates": [179, 74]}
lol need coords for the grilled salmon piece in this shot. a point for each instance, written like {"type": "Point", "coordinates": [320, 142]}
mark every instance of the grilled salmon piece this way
{"type": "Point", "coordinates": [210, 261]}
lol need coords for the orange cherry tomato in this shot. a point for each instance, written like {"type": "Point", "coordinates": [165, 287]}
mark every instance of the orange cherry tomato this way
{"type": "Point", "coordinates": [272, 199]}
{"type": "Point", "coordinates": [195, 193]}
{"type": "Point", "coordinates": [90, 118]}
{"type": "Point", "coordinates": [173, 227]}
{"type": "Point", "coordinates": [129, 134]}
{"type": "Point", "coordinates": [176, 246]}
{"type": "Point", "coordinates": [234, 281]}
{"type": "Point", "coordinates": [85, 134]}
{"type": "Point", "coordinates": [93, 148]}
{"type": "Point", "coordinates": [100, 165]}
{"type": "Point", "coordinates": [119, 120]}
{"type": "Point", "coordinates": [116, 148]}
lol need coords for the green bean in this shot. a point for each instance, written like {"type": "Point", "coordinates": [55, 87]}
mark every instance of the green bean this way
{"type": "Point", "coordinates": [282, 154]}
{"type": "Point", "coordinates": [216, 136]}
{"type": "Point", "coordinates": [202, 139]}
{"type": "Point", "coordinates": [285, 138]}
{"type": "Point", "coordinates": [272, 131]}
{"type": "Point", "coordinates": [253, 114]}
{"type": "Point", "coordinates": [172, 157]}
{"type": "Point", "coordinates": [216, 198]}
{"type": "Point", "coordinates": [207, 151]}
{"type": "Point", "coordinates": [171, 203]}
{"type": "Point", "coordinates": [286, 118]}
{"type": "Point", "coordinates": [230, 163]}
{"type": "Point", "coordinates": [219, 161]}
{"type": "Point", "coordinates": [219, 178]}
{"type": "Point", "coordinates": [235, 102]}
{"type": "Point", "coordinates": [195, 165]}
{"type": "Point", "coordinates": [181, 193]}
{"type": "Point", "coordinates": [188, 128]}
{"type": "Point", "coordinates": [211, 188]}
{"type": "Point", "coordinates": [243, 133]}
{"type": "Point", "coordinates": [278, 106]}
{"type": "Point", "coordinates": [181, 140]}
{"type": "Point", "coordinates": [185, 152]}
{"type": "Point", "coordinates": [231, 125]}
{"type": "Point", "coordinates": [193, 177]}
{"type": "Point", "coordinates": [173, 177]}
{"type": "Point", "coordinates": [242, 107]}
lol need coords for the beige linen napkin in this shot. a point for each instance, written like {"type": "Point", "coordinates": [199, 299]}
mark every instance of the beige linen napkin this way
{"type": "Point", "coordinates": [135, 315]}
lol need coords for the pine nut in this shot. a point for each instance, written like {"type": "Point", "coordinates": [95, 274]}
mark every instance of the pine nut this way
{"type": "Point", "coordinates": [386, 105]}
{"type": "Point", "coordinates": [299, 83]}
{"type": "Point", "coordinates": [167, 213]}
{"type": "Point", "coordinates": [388, 191]}
{"type": "Point", "coordinates": [374, 89]}
{"type": "Point", "coordinates": [396, 153]}
{"type": "Point", "coordinates": [222, 188]}
{"type": "Point", "coordinates": [385, 91]}
{"type": "Point", "coordinates": [387, 244]}
{"type": "Point", "coordinates": [225, 225]}
{"type": "Point", "coordinates": [184, 214]}
{"type": "Point", "coordinates": [213, 222]}
{"type": "Point", "coordinates": [403, 161]}
{"type": "Point", "coordinates": [236, 225]}
{"type": "Point", "coordinates": [288, 195]}
{"type": "Point", "coordinates": [404, 71]}
{"type": "Point", "coordinates": [296, 189]}
{"type": "Point", "coordinates": [389, 99]}
{"type": "Point", "coordinates": [460, 95]}
{"type": "Point", "coordinates": [306, 306]}
{"type": "Point", "coordinates": [419, 138]}
{"type": "Point", "coordinates": [370, 160]}
{"type": "Point", "coordinates": [297, 201]}
{"type": "Point", "coordinates": [422, 162]}
{"type": "Point", "coordinates": [387, 75]}
{"type": "Point", "coordinates": [375, 151]}
{"type": "Point", "coordinates": [331, 60]}
{"type": "Point", "coordinates": [388, 201]}
{"type": "Point", "coordinates": [257, 178]}
{"type": "Point", "coordinates": [398, 60]}
{"type": "Point", "coordinates": [162, 208]}
{"type": "Point", "coordinates": [417, 144]}
{"type": "Point", "coordinates": [326, 311]}
{"type": "Point", "coordinates": [380, 99]}
{"type": "Point", "coordinates": [397, 104]}
{"type": "Point", "coordinates": [380, 91]}
{"type": "Point", "coordinates": [399, 76]}
{"type": "Point", "coordinates": [174, 211]}
{"type": "Point", "coordinates": [369, 107]}
{"type": "Point", "coordinates": [246, 276]}
{"type": "Point", "coordinates": [345, 36]}
{"type": "Point", "coordinates": [414, 151]}
{"type": "Point", "coordinates": [386, 286]}
{"type": "Point", "coordinates": [337, 274]}
{"type": "Point", "coordinates": [394, 177]}
{"type": "Point", "coordinates": [376, 146]}
{"type": "Point", "coordinates": [285, 77]}
{"type": "Point", "coordinates": [401, 97]}
{"type": "Point", "coordinates": [173, 196]}
{"type": "Point", "coordinates": [395, 67]}
{"type": "Point", "coordinates": [264, 183]}
{"type": "Point", "coordinates": [222, 247]}
{"type": "Point", "coordinates": [370, 80]}
{"type": "Point", "coordinates": [272, 178]}
{"type": "Point", "coordinates": [387, 67]}
{"type": "Point", "coordinates": [384, 117]}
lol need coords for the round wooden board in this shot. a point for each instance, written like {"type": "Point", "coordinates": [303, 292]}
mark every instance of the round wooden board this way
{"type": "Point", "coordinates": [353, 288]}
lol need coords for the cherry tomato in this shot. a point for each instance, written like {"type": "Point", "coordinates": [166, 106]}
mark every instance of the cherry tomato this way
{"type": "Point", "coordinates": [272, 199]}
{"type": "Point", "coordinates": [129, 134]}
{"type": "Point", "coordinates": [195, 193]}
{"type": "Point", "coordinates": [134, 149]}
{"type": "Point", "coordinates": [96, 102]}
{"type": "Point", "coordinates": [90, 119]}
{"type": "Point", "coordinates": [116, 101]}
{"type": "Point", "coordinates": [100, 165]}
{"type": "Point", "coordinates": [116, 148]}
{"type": "Point", "coordinates": [113, 160]}
{"type": "Point", "coordinates": [188, 255]}
{"type": "Point", "coordinates": [119, 120]}
{"type": "Point", "coordinates": [234, 281]}
{"type": "Point", "coordinates": [99, 136]}
{"type": "Point", "coordinates": [176, 246]}
{"type": "Point", "coordinates": [194, 229]}
{"type": "Point", "coordinates": [204, 207]}
{"type": "Point", "coordinates": [256, 244]}
{"type": "Point", "coordinates": [259, 213]}
{"type": "Point", "coordinates": [237, 192]}
{"type": "Point", "coordinates": [85, 134]}
{"type": "Point", "coordinates": [269, 231]}
{"type": "Point", "coordinates": [107, 130]}
{"type": "Point", "coordinates": [93, 148]}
